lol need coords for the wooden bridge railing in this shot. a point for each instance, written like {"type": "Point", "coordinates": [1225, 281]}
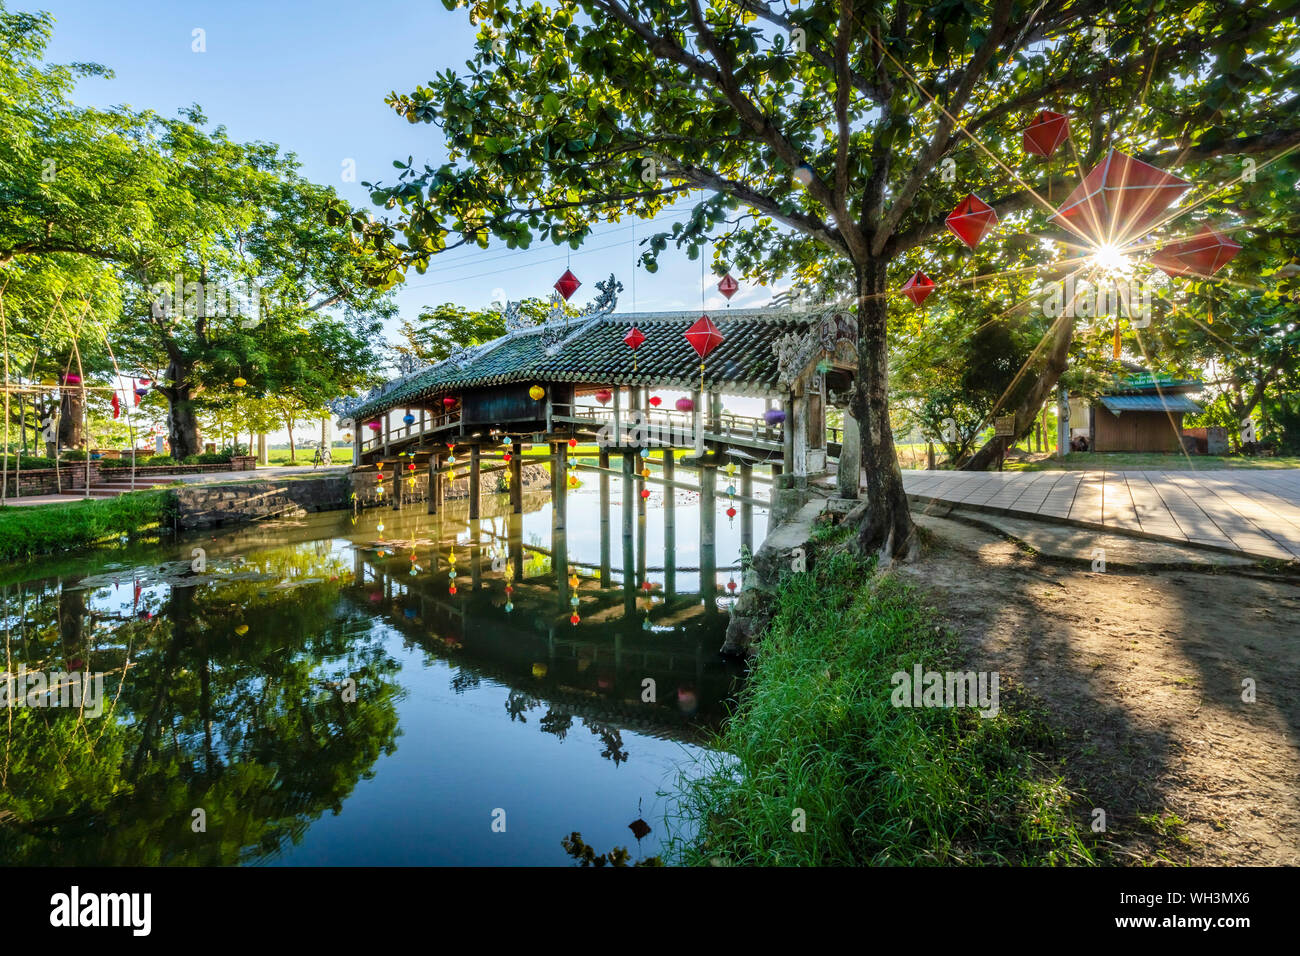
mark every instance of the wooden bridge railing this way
{"type": "Point", "coordinates": [727, 426]}
{"type": "Point", "coordinates": [425, 423]}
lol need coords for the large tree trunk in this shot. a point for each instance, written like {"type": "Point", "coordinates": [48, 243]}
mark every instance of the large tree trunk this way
{"type": "Point", "coordinates": [182, 423]}
{"type": "Point", "coordinates": [883, 521]}
{"type": "Point", "coordinates": [72, 432]}
{"type": "Point", "coordinates": [1027, 411]}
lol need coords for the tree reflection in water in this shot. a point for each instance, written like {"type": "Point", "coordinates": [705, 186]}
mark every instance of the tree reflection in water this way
{"type": "Point", "coordinates": [250, 728]}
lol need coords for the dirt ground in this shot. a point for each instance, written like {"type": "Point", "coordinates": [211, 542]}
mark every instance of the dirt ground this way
{"type": "Point", "coordinates": [1142, 668]}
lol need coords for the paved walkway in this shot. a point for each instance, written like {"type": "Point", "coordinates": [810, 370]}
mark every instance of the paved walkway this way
{"type": "Point", "coordinates": [1255, 512]}
{"type": "Point", "coordinates": [264, 473]}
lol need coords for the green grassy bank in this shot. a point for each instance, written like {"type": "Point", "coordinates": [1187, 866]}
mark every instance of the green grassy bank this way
{"type": "Point", "coordinates": [816, 731]}
{"type": "Point", "coordinates": [43, 529]}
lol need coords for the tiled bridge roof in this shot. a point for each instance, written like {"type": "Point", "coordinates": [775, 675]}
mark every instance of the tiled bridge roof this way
{"type": "Point", "coordinates": [592, 352]}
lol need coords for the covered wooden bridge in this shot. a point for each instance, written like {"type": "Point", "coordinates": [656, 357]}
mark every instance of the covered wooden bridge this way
{"type": "Point", "coordinates": [576, 380]}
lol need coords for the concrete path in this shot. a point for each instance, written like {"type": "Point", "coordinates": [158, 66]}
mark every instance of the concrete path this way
{"type": "Point", "coordinates": [1239, 510]}
{"type": "Point", "coordinates": [192, 478]}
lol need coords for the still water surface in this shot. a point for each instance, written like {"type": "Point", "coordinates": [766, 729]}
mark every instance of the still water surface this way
{"type": "Point", "coordinates": [229, 689]}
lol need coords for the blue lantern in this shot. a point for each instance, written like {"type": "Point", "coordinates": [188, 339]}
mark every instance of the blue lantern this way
{"type": "Point", "coordinates": [408, 418]}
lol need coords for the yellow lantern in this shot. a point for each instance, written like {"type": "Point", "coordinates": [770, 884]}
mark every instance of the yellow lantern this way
{"type": "Point", "coordinates": [239, 383]}
{"type": "Point", "coordinates": [537, 393]}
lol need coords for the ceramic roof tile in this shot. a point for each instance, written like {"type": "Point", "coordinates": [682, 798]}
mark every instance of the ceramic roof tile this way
{"type": "Point", "coordinates": [594, 353]}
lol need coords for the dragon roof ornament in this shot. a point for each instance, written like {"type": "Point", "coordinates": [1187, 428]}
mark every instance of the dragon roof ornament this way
{"type": "Point", "coordinates": [794, 353]}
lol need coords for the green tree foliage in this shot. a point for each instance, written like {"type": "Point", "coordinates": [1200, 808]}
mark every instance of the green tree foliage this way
{"type": "Point", "coordinates": [437, 330]}
{"type": "Point", "coordinates": [218, 262]}
{"type": "Point", "coordinates": [582, 112]}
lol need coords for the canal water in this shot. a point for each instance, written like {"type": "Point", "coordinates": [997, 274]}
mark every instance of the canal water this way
{"type": "Point", "coordinates": [312, 691]}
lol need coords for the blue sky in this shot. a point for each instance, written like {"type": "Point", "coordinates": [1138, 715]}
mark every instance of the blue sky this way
{"type": "Point", "coordinates": [312, 77]}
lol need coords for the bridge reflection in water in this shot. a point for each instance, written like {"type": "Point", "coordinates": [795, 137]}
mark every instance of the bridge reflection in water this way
{"type": "Point", "coordinates": [643, 653]}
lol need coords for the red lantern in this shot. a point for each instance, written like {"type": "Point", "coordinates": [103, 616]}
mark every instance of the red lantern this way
{"type": "Point", "coordinates": [919, 287]}
{"type": "Point", "coordinates": [574, 619]}
{"type": "Point", "coordinates": [728, 286]}
{"type": "Point", "coordinates": [573, 443]}
{"type": "Point", "coordinates": [506, 456]}
{"type": "Point", "coordinates": [1120, 199]}
{"type": "Point", "coordinates": [655, 400]}
{"type": "Point", "coordinates": [1203, 255]}
{"type": "Point", "coordinates": [731, 512]}
{"type": "Point", "coordinates": [971, 219]}
{"type": "Point", "coordinates": [704, 336]}
{"type": "Point", "coordinates": [645, 492]}
{"type": "Point", "coordinates": [633, 340]}
{"type": "Point", "coordinates": [448, 401]}
{"type": "Point", "coordinates": [604, 395]}
{"type": "Point", "coordinates": [1048, 131]}
{"type": "Point", "coordinates": [567, 284]}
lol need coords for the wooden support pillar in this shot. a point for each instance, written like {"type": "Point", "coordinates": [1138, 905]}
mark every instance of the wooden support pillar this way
{"type": "Point", "coordinates": [387, 432]}
{"type": "Point", "coordinates": [629, 556]}
{"type": "Point", "coordinates": [515, 543]}
{"type": "Point", "coordinates": [516, 481]}
{"type": "Point", "coordinates": [697, 420]}
{"type": "Point", "coordinates": [642, 463]}
{"type": "Point", "coordinates": [670, 524]}
{"type": "Point", "coordinates": [715, 410]}
{"type": "Point", "coordinates": [604, 518]}
{"type": "Point", "coordinates": [708, 533]}
{"type": "Point", "coordinates": [641, 534]}
{"type": "Point", "coordinates": [787, 436]}
{"type": "Point", "coordinates": [559, 485]}
{"type": "Point", "coordinates": [435, 485]}
{"type": "Point", "coordinates": [475, 483]}
{"type": "Point", "coordinates": [798, 416]}
{"type": "Point", "coordinates": [618, 432]}
{"type": "Point", "coordinates": [849, 478]}
{"type": "Point", "coordinates": [746, 507]}
{"type": "Point", "coordinates": [560, 565]}
{"type": "Point", "coordinates": [475, 553]}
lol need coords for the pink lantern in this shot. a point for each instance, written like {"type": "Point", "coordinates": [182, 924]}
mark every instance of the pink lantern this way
{"type": "Point", "coordinates": [373, 426]}
{"type": "Point", "coordinates": [728, 286]}
{"type": "Point", "coordinates": [604, 395]}
{"type": "Point", "coordinates": [684, 404]}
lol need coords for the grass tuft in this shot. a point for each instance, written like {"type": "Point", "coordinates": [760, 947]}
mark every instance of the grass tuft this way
{"type": "Point", "coordinates": [43, 529]}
